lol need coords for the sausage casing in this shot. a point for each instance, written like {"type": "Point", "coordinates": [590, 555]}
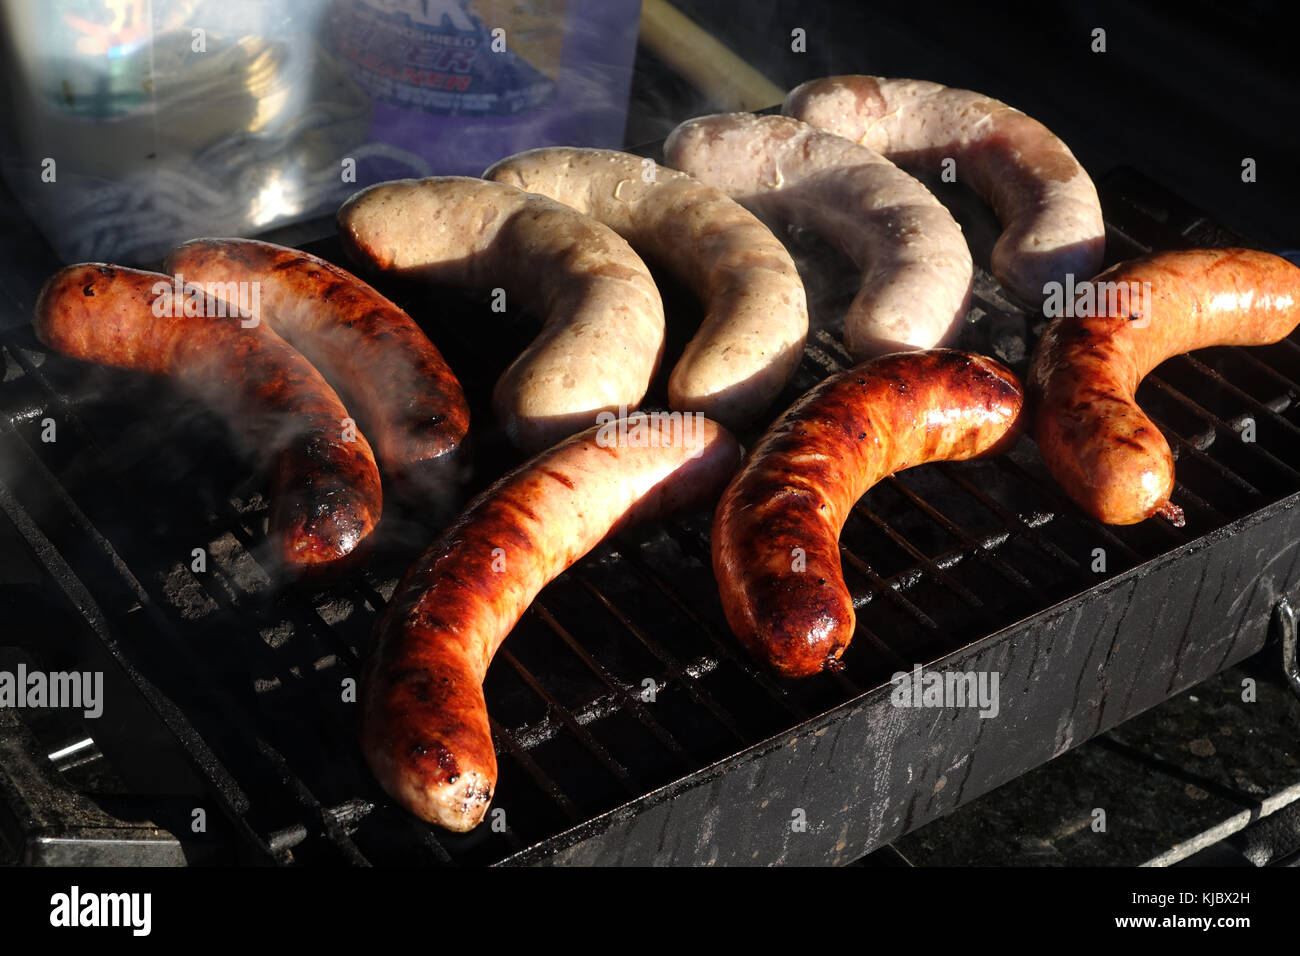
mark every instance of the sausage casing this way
{"type": "Point", "coordinates": [603, 328]}
{"type": "Point", "coordinates": [1047, 204]}
{"type": "Point", "coordinates": [916, 268]}
{"type": "Point", "coordinates": [1098, 444]}
{"type": "Point", "coordinates": [326, 495]}
{"type": "Point", "coordinates": [410, 401]}
{"type": "Point", "coordinates": [424, 721]}
{"type": "Point", "coordinates": [752, 336]}
{"type": "Point", "coordinates": [776, 530]}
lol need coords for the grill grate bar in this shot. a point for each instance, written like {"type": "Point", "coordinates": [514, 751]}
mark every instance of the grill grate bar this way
{"type": "Point", "coordinates": [970, 545]}
{"type": "Point", "coordinates": [630, 700]}
{"type": "Point", "coordinates": [565, 716]}
{"type": "Point", "coordinates": [423, 835]}
{"type": "Point", "coordinates": [830, 364]}
{"type": "Point", "coordinates": [932, 566]}
{"type": "Point", "coordinates": [1065, 506]}
{"type": "Point", "coordinates": [506, 740]}
{"type": "Point", "coordinates": [1291, 344]}
{"type": "Point", "coordinates": [892, 591]}
{"type": "Point", "coordinates": [923, 560]}
{"type": "Point", "coordinates": [304, 625]}
{"type": "Point", "coordinates": [1221, 426]}
{"type": "Point", "coordinates": [687, 682]}
{"type": "Point", "coordinates": [1184, 493]}
{"type": "Point", "coordinates": [1271, 414]}
{"type": "Point", "coordinates": [865, 636]}
{"type": "Point", "coordinates": [1286, 382]}
{"type": "Point", "coordinates": [351, 813]}
{"type": "Point", "coordinates": [329, 823]}
{"type": "Point", "coordinates": [1014, 521]}
{"type": "Point", "coordinates": [303, 614]}
{"type": "Point", "coordinates": [723, 645]}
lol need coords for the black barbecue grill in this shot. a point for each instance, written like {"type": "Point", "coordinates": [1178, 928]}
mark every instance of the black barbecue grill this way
{"type": "Point", "coordinates": [630, 726]}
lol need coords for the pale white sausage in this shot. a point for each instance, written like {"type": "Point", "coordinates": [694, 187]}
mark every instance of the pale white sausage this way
{"type": "Point", "coordinates": [753, 334]}
{"type": "Point", "coordinates": [603, 331]}
{"type": "Point", "coordinates": [916, 269]}
{"type": "Point", "coordinates": [1045, 200]}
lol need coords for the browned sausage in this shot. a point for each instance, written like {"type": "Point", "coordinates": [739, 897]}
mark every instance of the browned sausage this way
{"type": "Point", "coordinates": [776, 531]}
{"type": "Point", "coordinates": [1109, 457]}
{"type": "Point", "coordinates": [365, 346]}
{"type": "Point", "coordinates": [326, 495]}
{"type": "Point", "coordinates": [424, 722]}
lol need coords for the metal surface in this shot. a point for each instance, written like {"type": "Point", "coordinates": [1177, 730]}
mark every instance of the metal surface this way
{"type": "Point", "coordinates": [49, 825]}
{"type": "Point", "coordinates": [869, 772]}
{"type": "Point", "coordinates": [1273, 841]}
{"type": "Point", "coordinates": [1284, 617]}
{"type": "Point", "coordinates": [1194, 769]}
{"type": "Point", "coordinates": [95, 791]}
{"type": "Point", "coordinates": [630, 726]}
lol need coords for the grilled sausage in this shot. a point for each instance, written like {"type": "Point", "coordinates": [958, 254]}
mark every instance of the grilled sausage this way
{"type": "Point", "coordinates": [604, 322]}
{"type": "Point", "coordinates": [1047, 204]}
{"type": "Point", "coordinates": [424, 722]}
{"type": "Point", "coordinates": [917, 271]}
{"type": "Point", "coordinates": [753, 335]}
{"type": "Point", "coordinates": [410, 401]}
{"type": "Point", "coordinates": [1109, 457]}
{"type": "Point", "coordinates": [776, 531]}
{"type": "Point", "coordinates": [326, 496]}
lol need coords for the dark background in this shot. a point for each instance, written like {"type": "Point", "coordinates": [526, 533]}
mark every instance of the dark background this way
{"type": "Point", "coordinates": [1183, 92]}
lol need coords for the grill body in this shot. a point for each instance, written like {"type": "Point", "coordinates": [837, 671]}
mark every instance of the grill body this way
{"type": "Point", "coordinates": [631, 728]}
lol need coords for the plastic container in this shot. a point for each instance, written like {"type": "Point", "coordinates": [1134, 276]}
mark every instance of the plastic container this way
{"type": "Point", "coordinates": [137, 124]}
{"type": "Point", "coordinates": [458, 84]}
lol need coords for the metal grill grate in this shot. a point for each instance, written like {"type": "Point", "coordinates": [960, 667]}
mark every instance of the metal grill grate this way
{"type": "Point", "coordinates": [938, 559]}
